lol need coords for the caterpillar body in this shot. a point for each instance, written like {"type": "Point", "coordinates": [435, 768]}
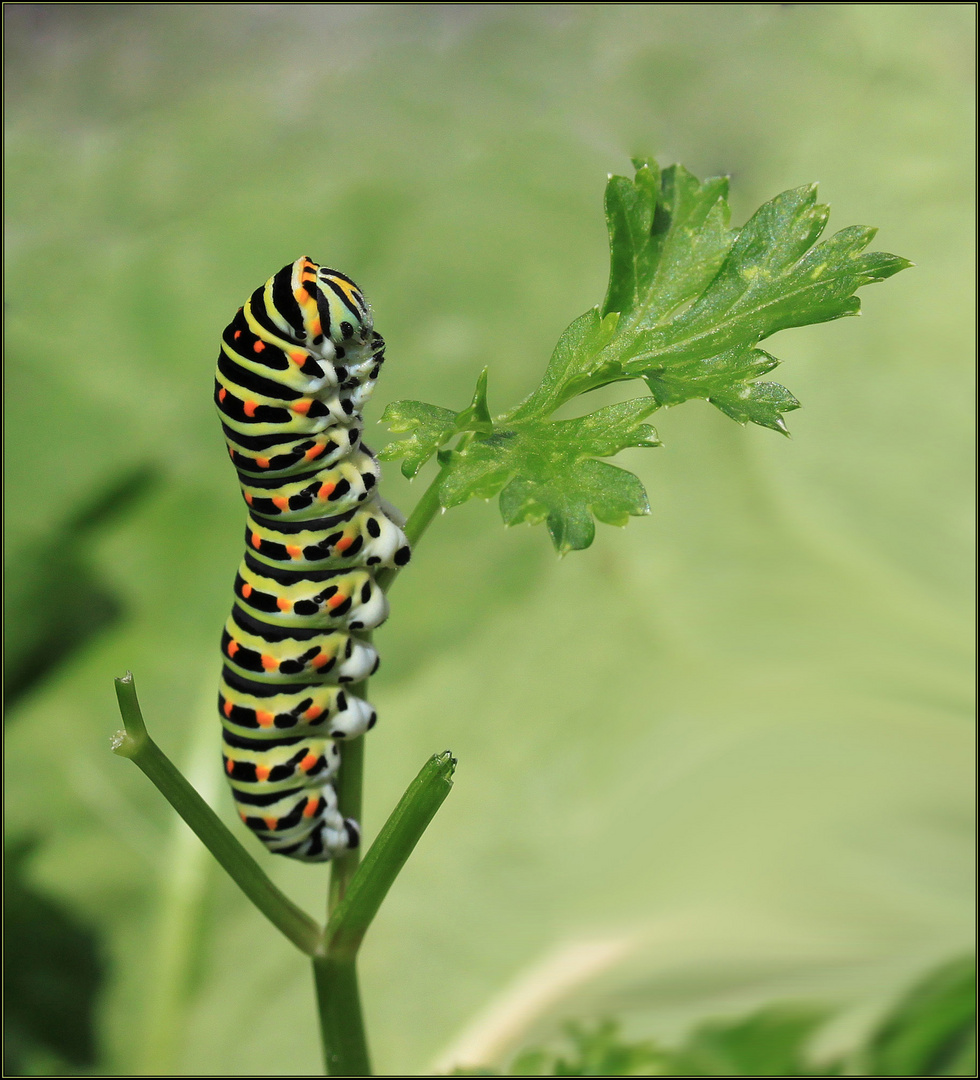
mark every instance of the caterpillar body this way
{"type": "Point", "coordinates": [296, 365]}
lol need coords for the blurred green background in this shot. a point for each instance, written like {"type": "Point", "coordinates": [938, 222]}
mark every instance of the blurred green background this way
{"type": "Point", "coordinates": [733, 740]}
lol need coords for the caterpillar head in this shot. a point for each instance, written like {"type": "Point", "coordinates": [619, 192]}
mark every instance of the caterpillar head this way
{"type": "Point", "coordinates": [332, 306]}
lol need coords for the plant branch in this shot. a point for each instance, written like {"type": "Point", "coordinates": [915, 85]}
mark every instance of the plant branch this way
{"type": "Point", "coordinates": [335, 971]}
{"type": "Point", "coordinates": [387, 855]}
{"type": "Point", "coordinates": [349, 786]}
{"type": "Point", "coordinates": [338, 996]}
{"type": "Point", "coordinates": [334, 968]}
{"type": "Point", "coordinates": [135, 743]}
{"type": "Point", "coordinates": [350, 778]}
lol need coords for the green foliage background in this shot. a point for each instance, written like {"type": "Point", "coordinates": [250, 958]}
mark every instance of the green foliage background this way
{"type": "Point", "coordinates": [736, 732]}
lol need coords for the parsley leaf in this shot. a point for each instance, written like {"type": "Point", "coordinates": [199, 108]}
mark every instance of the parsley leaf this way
{"type": "Point", "coordinates": [432, 427]}
{"type": "Point", "coordinates": [773, 276]}
{"type": "Point", "coordinates": [547, 471]}
{"type": "Point", "coordinates": [689, 299]}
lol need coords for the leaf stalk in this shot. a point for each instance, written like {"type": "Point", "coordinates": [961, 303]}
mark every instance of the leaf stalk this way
{"type": "Point", "coordinates": [136, 744]}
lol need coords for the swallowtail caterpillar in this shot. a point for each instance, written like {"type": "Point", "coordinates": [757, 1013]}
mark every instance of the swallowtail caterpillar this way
{"type": "Point", "coordinates": [297, 363]}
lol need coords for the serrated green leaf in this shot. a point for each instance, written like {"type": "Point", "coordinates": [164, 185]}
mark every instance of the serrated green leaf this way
{"type": "Point", "coordinates": [575, 366]}
{"type": "Point", "coordinates": [772, 278]}
{"type": "Point", "coordinates": [728, 384]}
{"type": "Point", "coordinates": [568, 501]}
{"type": "Point", "coordinates": [688, 301]}
{"type": "Point", "coordinates": [546, 471]}
{"type": "Point", "coordinates": [430, 427]}
{"type": "Point", "coordinates": [630, 209]}
{"type": "Point", "coordinates": [760, 403]}
{"type": "Point", "coordinates": [668, 237]}
{"type": "Point", "coordinates": [476, 416]}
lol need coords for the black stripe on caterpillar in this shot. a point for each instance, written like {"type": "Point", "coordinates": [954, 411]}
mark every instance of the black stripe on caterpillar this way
{"type": "Point", "coordinates": [297, 363]}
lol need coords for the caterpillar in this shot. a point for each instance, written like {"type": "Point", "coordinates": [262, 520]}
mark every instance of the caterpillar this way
{"type": "Point", "coordinates": [296, 366]}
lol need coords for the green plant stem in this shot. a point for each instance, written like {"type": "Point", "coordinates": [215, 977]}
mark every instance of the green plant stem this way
{"type": "Point", "coordinates": [421, 518]}
{"type": "Point", "coordinates": [348, 785]}
{"type": "Point", "coordinates": [334, 969]}
{"type": "Point", "coordinates": [341, 1016]}
{"type": "Point", "coordinates": [387, 855]}
{"type": "Point", "coordinates": [350, 778]}
{"type": "Point", "coordinates": [345, 1048]}
{"type": "Point", "coordinates": [135, 743]}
